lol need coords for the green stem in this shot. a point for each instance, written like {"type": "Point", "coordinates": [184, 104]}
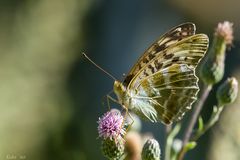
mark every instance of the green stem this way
{"type": "Point", "coordinates": [168, 129]}
{"type": "Point", "coordinates": [196, 111]}
{"type": "Point", "coordinates": [170, 137]}
{"type": "Point", "coordinates": [168, 149]}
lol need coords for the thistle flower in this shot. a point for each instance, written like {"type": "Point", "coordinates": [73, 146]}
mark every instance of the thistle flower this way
{"type": "Point", "coordinates": [212, 68]}
{"type": "Point", "coordinates": [110, 125]}
{"type": "Point", "coordinates": [225, 31]}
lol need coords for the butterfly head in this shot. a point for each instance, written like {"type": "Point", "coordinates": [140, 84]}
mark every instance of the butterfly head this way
{"type": "Point", "coordinates": [120, 90]}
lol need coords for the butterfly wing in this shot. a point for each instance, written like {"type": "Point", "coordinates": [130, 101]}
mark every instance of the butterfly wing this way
{"type": "Point", "coordinates": [167, 94]}
{"type": "Point", "coordinates": [171, 37]}
{"type": "Point", "coordinates": [188, 51]}
{"type": "Point", "coordinates": [165, 88]}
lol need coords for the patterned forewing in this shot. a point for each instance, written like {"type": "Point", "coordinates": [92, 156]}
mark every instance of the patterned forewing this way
{"type": "Point", "coordinates": [170, 92]}
{"type": "Point", "coordinates": [188, 51]}
{"type": "Point", "coordinates": [170, 38]}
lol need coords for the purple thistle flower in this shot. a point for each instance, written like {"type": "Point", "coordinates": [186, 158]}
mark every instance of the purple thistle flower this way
{"type": "Point", "coordinates": [225, 30]}
{"type": "Point", "coordinates": [110, 125]}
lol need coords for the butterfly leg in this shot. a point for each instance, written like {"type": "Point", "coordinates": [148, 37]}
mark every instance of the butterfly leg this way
{"type": "Point", "coordinates": [131, 122]}
{"type": "Point", "coordinates": [106, 99]}
{"type": "Point", "coordinates": [124, 119]}
{"type": "Point", "coordinates": [109, 98]}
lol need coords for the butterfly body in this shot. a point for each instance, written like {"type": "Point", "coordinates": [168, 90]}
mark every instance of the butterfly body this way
{"type": "Point", "coordinates": [120, 91]}
{"type": "Point", "coordinates": [162, 85]}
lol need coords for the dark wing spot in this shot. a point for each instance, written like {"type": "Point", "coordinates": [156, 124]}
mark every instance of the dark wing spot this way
{"type": "Point", "coordinates": [158, 65]}
{"type": "Point", "coordinates": [145, 60]}
{"type": "Point", "coordinates": [175, 32]}
{"type": "Point", "coordinates": [151, 56]}
{"type": "Point", "coordinates": [128, 79]}
{"type": "Point", "coordinates": [145, 73]}
{"type": "Point", "coordinates": [164, 54]}
{"type": "Point", "coordinates": [152, 68]}
{"type": "Point", "coordinates": [169, 56]}
{"type": "Point", "coordinates": [167, 65]}
{"type": "Point", "coordinates": [175, 59]}
{"type": "Point", "coordinates": [160, 48]}
{"type": "Point", "coordinates": [175, 37]}
{"type": "Point", "coordinates": [139, 66]}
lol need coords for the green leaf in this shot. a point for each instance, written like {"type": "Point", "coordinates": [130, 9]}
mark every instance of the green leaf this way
{"type": "Point", "coordinates": [190, 145]}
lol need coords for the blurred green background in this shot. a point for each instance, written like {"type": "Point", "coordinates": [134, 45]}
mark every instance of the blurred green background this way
{"type": "Point", "coordinates": [50, 96]}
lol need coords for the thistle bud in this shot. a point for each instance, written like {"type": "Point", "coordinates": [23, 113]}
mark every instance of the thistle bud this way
{"type": "Point", "coordinates": [227, 92]}
{"type": "Point", "coordinates": [212, 68]}
{"type": "Point", "coordinates": [113, 149]}
{"type": "Point", "coordinates": [151, 150]}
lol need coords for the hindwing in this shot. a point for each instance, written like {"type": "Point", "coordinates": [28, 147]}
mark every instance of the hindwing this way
{"type": "Point", "coordinates": [168, 94]}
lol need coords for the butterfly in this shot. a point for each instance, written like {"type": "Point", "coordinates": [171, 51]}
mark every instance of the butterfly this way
{"type": "Point", "coordinates": [162, 84]}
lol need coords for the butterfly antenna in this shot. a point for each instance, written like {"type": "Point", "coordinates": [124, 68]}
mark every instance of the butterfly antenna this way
{"type": "Point", "coordinates": [98, 66]}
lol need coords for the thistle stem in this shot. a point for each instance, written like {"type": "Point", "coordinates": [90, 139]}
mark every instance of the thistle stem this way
{"type": "Point", "coordinates": [168, 129]}
{"type": "Point", "coordinates": [196, 111]}
{"type": "Point", "coordinates": [214, 118]}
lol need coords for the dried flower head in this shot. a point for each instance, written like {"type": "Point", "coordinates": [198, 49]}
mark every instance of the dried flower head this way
{"type": "Point", "coordinates": [133, 145]}
{"type": "Point", "coordinates": [110, 125]}
{"type": "Point", "coordinates": [225, 30]}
